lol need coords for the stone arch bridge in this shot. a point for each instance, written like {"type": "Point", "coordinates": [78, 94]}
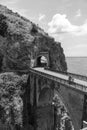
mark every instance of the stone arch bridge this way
{"type": "Point", "coordinates": [43, 84]}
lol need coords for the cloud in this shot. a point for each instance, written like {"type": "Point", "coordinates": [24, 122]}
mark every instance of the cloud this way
{"type": "Point", "coordinates": [7, 2]}
{"type": "Point", "coordinates": [41, 17]}
{"type": "Point", "coordinates": [81, 46]}
{"type": "Point", "coordinates": [60, 24]}
{"type": "Point", "coordinates": [23, 12]}
{"type": "Point", "coordinates": [12, 4]}
{"type": "Point", "coordinates": [77, 50]}
{"type": "Point", "coordinates": [78, 13]}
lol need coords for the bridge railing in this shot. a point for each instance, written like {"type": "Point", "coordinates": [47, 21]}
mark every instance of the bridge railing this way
{"type": "Point", "coordinates": [78, 76]}
{"type": "Point", "coordinates": [64, 81]}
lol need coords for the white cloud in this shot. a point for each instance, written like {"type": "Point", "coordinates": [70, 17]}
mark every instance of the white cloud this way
{"type": "Point", "coordinates": [81, 46]}
{"type": "Point", "coordinates": [41, 17]}
{"type": "Point", "coordinates": [78, 13]}
{"type": "Point", "coordinates": [61, 24]}
{"type": "Point", "coordinates": [7, 2]}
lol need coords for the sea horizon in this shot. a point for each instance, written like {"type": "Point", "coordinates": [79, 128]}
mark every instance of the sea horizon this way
{"type": "Point", "coordinates": [76, 56]}
{"type": "Point", "coordinates": [77, 65]}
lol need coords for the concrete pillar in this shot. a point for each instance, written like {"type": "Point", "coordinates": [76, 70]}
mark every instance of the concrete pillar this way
{"type": "Point", "coordinates": [32, 88]}
{"type": "Point", "coordinates": [84, 116]}
{"type": "Point", "coordinates": [35, 101]}
{"type": "Point", "coordinates": [35, 93]}
{"type": "Point", "coordinates": [26, 103]}
{"type": "Point", "coordinates": [37, 89]}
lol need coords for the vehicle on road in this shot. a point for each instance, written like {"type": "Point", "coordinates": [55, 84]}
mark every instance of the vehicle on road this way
{"type": "Point", "coordinates": [70, 79]}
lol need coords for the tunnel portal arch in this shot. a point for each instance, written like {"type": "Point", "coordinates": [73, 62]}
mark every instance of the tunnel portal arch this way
{"type": "Point", "coordinates": [42, 59]}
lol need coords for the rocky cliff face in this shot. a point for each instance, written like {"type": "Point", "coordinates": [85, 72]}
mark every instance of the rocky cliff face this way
{"type": "Point", "coordinates": [18, 39]}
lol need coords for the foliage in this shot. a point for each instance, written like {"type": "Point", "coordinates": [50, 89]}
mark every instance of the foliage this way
{"type": "Point", "coordinates": [11, 104]}
{"type": "Point", "coordinates": [63, 120]}
{"type": "Point", "coordinates": [21, 37]}
{"type": "Point", "coordinates": [34, 30]}
{"type": "Point", "coordinates": [3, 25]}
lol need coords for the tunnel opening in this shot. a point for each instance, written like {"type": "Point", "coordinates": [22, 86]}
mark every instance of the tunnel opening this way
{"type": "Point", "coordinates": [42, 61]}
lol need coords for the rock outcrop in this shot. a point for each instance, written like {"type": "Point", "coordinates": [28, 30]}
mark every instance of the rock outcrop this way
{"type": "Point", "coordinates": [18, 39]}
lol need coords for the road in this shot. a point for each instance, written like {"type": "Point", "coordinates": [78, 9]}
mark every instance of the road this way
{"type": "Point", "coordinates": [62, 76]}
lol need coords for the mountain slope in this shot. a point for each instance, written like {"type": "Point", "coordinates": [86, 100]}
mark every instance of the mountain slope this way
{"type": "Point", "coordinates": [18, 39]}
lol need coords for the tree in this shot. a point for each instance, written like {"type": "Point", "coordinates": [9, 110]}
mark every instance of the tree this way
{"type": "Point", "coordinates": [3, 25]}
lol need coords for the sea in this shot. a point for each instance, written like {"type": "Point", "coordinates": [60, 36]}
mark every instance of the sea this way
{"type": "Point", "coordinates": [77, 65]}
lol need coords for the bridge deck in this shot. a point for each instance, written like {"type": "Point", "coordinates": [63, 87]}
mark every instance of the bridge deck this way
{"type": "Point", "coordinates": [63, 79]}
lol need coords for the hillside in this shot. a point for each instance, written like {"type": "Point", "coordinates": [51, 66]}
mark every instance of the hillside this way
{"type": "Point", "coordinates": [18, 39]}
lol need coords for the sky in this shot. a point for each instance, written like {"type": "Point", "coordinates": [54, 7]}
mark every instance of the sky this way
{"type": "Point", "coordinates": [65, 20]}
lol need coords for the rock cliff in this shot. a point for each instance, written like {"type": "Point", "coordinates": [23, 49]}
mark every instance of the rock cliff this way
{"type": "Point", "coordinates": [18, 39]}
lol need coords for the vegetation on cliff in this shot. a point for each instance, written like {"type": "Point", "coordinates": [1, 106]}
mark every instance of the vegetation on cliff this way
{"type": "Point", "coordinates": [11, 104]}
{"type": "Point", "coordinates": [63, 121]}
{"type": "Point", "coordinates": [18, 39]}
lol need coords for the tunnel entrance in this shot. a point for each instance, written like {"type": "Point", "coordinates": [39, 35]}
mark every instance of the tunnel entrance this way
{"type": "Point", "coordinates": [41, 61]}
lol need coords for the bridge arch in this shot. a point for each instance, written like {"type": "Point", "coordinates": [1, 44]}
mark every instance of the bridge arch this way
{"type": "Point", "coordinates": [73, 105]}
{"type": "Point", "coordinates": [45, 100]}
{"type": "Point", "coordinates": [66, 92]}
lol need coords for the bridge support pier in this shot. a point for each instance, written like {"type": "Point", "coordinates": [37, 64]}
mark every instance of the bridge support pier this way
{"type": "Point", "coordinates": [35, 101]}
{"type": "Point", "coordinates": [30, 103]}
{"type": "Point", "coordinates": [84, 116]}
{"type": "Point", "coordinates": [26, 104]}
